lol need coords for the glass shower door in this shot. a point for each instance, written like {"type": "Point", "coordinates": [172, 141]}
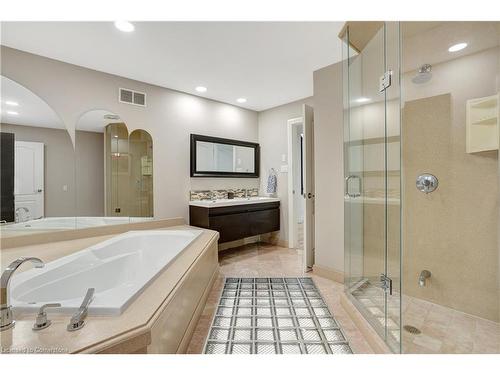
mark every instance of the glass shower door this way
{"type": "Point", "coordinates": [371, 171]}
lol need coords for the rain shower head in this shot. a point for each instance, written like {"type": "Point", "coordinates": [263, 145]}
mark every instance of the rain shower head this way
{"type": "Point", "coordinates": [424, 74]}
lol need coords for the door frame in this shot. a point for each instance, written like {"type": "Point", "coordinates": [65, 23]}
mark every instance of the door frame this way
{"type": "Point", "coordinates": [292, 233]}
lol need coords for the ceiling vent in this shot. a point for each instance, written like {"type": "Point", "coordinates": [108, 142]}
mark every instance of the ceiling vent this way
{"type": "Point", "coordinates": [132, 97]}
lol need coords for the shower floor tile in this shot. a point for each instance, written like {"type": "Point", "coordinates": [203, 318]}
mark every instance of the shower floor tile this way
{"type": "Point", "coordinates": [292, 319]}
{"type": "Point", "coordinates": [442, 329]}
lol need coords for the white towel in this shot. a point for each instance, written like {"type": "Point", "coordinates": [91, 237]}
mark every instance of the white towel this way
{"type": "Point", "coordinates": [272, 181]}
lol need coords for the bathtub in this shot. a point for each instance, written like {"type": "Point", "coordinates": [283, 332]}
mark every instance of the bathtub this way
{"type": "Point", "coordinates": [119, 269]}
{"type": "Point", "coordinates": [65, 223]}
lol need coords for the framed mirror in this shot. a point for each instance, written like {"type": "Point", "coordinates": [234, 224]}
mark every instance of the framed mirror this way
{"type": "Point", "coordinates": [222, 157]}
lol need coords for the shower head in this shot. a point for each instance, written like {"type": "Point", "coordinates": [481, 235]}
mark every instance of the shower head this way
{"type": "Point", "coordinates": [424, 74]}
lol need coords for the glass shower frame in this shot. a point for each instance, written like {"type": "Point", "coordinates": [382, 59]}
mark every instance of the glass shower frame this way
{"type": "Point", "coordinates": [372, 171]}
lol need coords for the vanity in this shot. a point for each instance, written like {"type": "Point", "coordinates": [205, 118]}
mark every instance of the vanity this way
{"type": "Point", "coordinates": [237, 218]}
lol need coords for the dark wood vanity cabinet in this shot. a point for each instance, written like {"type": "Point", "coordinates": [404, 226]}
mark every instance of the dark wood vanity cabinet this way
{"type": "Point", "coordinates": [239, 221]}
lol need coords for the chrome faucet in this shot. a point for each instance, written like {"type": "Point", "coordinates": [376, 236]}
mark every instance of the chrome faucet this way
{"type": "Point", "coordinates": [78, 319]}
{"type": "Point", "coordinates": [424, 275]}
{"type": "Point", "coordinates": [6, 320]}
{"type": "Point", "coordinates": [18, 218]}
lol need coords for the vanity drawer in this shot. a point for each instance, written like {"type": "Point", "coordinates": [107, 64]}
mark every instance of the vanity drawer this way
{"type": "Point", "coordinates": [230, 227]}
{"type": "Point", "coordinates": [264, 221]}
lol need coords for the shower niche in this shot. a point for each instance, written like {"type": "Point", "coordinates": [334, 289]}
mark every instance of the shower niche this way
{"type": "Point", "coordinates": [482, 124]}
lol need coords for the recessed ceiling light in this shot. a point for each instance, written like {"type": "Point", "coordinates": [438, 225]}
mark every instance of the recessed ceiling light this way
{"type": "Point", "coordinates": [201, 89]}
{"type": "Point", "coordinates": [457, 47]}
{"type": "Point", "coordinates": [362, 100]}
{"type": "Point", "coordinates": [11, 103]}
{"type": "Point", "coordinates": [14, 113]}
{"type": "Point", "coordinates": [124, 26]}
{"type": "Point", "coordinates": [115, 136]}
{"type": "Point", "coordinates": [241, 100]}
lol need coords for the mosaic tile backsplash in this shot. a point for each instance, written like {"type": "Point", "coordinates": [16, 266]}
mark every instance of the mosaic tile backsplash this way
{"type": "Point", "coordinates": [199, 195]}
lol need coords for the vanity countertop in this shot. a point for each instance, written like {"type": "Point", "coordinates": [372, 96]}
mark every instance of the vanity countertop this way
{"type": "Point", "coordinates": [232, 202]}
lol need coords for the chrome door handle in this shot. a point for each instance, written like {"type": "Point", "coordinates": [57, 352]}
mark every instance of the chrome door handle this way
{"type": "Point", "coordinates": [347, 179]}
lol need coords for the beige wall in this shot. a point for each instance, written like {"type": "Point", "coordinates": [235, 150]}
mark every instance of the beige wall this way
{"type": "Point", "coordinates": [452, 232]}
{"type": "Point", "coordinates": [328, 170]}
{"type": "Point", "coordinates": [170, 116]}
{"type": "Point", "coordinates": [273, 140]}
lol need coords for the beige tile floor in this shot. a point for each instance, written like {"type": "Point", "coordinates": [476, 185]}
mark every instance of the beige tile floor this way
{"type": "Point", "coordinates": [443, 330]}
{"type": "Point", "coordinates": [264, 260]}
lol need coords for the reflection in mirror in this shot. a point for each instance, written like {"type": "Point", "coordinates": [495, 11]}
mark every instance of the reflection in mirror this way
{"type": "Point", "coordinates": [114, 184]}
{"type": "Point", "coordinates": [218, 157]}
{"type": "Point", "coordinates": [117, 169]}
{"type": "Point", "coordinates": [141, 173]}
{"type": "Point", "coordinates": [38, 185]}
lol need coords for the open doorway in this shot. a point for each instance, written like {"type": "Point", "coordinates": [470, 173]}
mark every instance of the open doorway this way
{"type": "Point", "coordinates": [301, 186]}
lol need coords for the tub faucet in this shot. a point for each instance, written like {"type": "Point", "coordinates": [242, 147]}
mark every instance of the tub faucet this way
{"type": "Point", "coordinates": [78, 319]}
{"type": "Point", "coordinates": [424, 275]}
{"type": "Point", "coordinates": [24, 217]}
{"type": "Point", "coordinates": [6, 320]}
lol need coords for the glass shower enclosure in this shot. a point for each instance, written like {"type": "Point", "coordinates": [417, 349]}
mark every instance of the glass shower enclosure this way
{"type": "Point", "coordinates": [421, 204]}
{"type": "Point", "coordinates": [372, 209]}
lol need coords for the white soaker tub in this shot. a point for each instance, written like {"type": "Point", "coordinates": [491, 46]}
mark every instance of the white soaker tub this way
{"type": "Point", "coordinates": [119, 269]}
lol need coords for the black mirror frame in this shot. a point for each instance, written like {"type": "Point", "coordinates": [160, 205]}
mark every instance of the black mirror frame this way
{"type": "Point", "coordinates": [204, 138]}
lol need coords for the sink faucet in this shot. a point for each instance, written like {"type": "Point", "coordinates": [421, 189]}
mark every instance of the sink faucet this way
{"type": "Point", "coordinates": [6, 320]}
{"type": "Point", "coordinates": [424, 275]}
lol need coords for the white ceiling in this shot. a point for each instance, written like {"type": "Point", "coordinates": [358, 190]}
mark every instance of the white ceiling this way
{"type": "Point", "coordinates": [31, 110]}
{"type": "Point", "coordinates": [269, 63]}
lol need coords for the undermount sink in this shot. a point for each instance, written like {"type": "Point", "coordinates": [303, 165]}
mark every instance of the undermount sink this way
{"type": "Point", "coordinates": [231, 202]}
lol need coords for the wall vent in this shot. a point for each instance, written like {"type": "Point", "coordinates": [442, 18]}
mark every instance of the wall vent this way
{"type": "Point", "coordinates": [132, 97]}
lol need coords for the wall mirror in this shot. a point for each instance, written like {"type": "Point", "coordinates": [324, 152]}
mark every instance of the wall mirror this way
{"type": "Point", "coordinates": [114, 171]}
{"type": "Point", "coordinates": [37, 165]}
{"type": "Point", "coordinates": [221, 157]}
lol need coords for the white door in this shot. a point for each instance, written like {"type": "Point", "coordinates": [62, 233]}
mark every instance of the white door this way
{"type": "Point", "coordinates": [308, 187]}
{"type": "Point", "coordinates": [28, 179]}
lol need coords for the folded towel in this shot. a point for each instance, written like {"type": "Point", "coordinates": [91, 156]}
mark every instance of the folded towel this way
{"type": "Point", "coordinates": [272, 181]}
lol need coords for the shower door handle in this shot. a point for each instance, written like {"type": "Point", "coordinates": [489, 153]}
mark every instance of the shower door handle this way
{"type": "Point", "coordinates": [386, 283]}
{"type": "Point", "coordinates": [349, 194]}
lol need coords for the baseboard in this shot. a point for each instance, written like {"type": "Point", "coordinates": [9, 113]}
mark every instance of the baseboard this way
{"type": "Point", "coordinates": [329, 273]}
{"type": "Point", "coordinates": [376, 343]}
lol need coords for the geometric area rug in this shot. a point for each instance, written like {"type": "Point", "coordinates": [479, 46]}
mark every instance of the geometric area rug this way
{"type": "Point", "coordinates": [273, 315]}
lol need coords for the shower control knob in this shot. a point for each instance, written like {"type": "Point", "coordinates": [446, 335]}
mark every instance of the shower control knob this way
{"type": "Point", "coordinates": [427, 183]}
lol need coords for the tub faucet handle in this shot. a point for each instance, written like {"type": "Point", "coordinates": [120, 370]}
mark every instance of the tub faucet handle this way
{"type": "Point", "coordinates": [78, 319]}
{"type": "Point", "coordinates": [424, 275]}
{"type": "Point", "coordinates": [41, 321]}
